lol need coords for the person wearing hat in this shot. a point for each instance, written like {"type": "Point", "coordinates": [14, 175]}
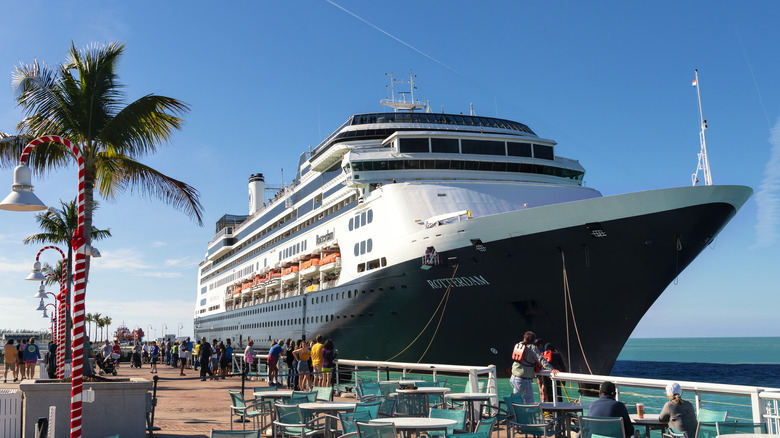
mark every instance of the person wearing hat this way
{"type": "Point", "coordinates": [607, 406]}
{"type": "Point", "coordinates": [678, 412]}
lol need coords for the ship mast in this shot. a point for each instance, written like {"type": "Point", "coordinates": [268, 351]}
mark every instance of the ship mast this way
{"type": "Point", "coordinates": [704, 161]}
{"type": "Point", "coordinates": [402, 103]}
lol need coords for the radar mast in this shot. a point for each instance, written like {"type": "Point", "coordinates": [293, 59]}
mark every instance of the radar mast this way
{"type": "Point", "coordinates": [406, 100]}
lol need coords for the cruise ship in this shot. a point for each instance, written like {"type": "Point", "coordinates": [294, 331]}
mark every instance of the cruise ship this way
{"type": "Point", "coordinates": [415, 236]}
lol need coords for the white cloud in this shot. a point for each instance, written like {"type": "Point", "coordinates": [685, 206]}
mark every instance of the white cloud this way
{"type": "Point", "coordinates": [159, 244]}
{"type": "Point", "coordinates": [768, 195]}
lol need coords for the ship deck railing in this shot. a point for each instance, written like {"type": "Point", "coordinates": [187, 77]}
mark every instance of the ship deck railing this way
{"type": "Point", "coordinates": [763, 401]}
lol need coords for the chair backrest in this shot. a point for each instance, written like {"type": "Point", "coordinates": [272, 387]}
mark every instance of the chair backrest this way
{"type": "Point", "coordinates": [371, 407]}
{"type": "Point", "coordinates": [264, 388]}
{"type": "Point", "coordinates": [709, 415]}
{"type": "Point", "coordinates": [366, 389]}
{"type": "Point", "coordinates": [602, 427]}
{"type": "Point", "coordinates": [237, 398]}
{"type": "Point", "coordinates": [311, 396]}
{"type": "Point", "coordinates": [295, 400]}
{"type": "Point", "coordinates": [586, 401]}
{"type": "Point", "coordinates": [387, 388]}
{"type": "Point", "coordinates": [671, 433]}
{"type": "Point", "coordinates": [726, 428]}
{"type": "Point", "coordinates": [324, 393]}
{"type": "Point", "coordinates": [411, 405]}
{"type": "Point", "coordinates": [348, 419]}
{"type": "Point", "coordinates": [527, 414]}
{"type": "Point", "coordinates": [235, 433]}
{"type": "Point", "coordinates": [486, 425]}
{"type": "Point", "coordinates": [706, 429]}
{"type": "Point", "coordinates": [450, 414]}
{"type": "Point", "coordinates": [387, 407]}
{"type": "Point", "coordinates": [366, 430]}
{"type": "Point", "coordinates": [288, 414]}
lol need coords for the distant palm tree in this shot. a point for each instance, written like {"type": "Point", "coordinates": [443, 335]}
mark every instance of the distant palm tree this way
{"type": "Point", "coordinates": [88, 318]}
{"type": "Point", "coordinates": [98, 323]}
{"type": "Point", "coordinates": [107, 323]}
{"type": "Point", "coordinates": [81, 100]}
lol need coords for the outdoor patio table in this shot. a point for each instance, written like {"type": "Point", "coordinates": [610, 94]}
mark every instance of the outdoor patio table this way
{"type": "Point", "coordinates": [427, 390]}
{"type": "Point", "coordinates": [562, 408]}
{"type": "Point", "coordinates": [650, 421]}
{"type": "Point", "coordinates": [416, 424]}
{"type": "Point", "coordinates": [331, 408]}
{"type": "Point", "coordinates": [469, 398]}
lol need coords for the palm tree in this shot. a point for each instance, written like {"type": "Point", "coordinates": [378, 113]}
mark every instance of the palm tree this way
{"type": "Point", "coordinates": [107, 323]}
{"type": "Point", "coordinates": [88, 318]}
{"type": "Point", "coordinates": [81, 100]}
{"type": "Point", "coordinates": [98, 323]}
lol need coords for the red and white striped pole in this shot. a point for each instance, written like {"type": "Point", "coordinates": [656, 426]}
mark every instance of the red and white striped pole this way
{"type": "Point", "coordinates": [80, 286]}
{"type": "Point", "coordinates": [61, 310]}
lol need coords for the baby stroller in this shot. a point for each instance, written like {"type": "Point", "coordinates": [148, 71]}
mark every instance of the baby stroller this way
{"type": "Point", "coordinates": [135, 360]}
{"type": "Point", "coordinates": [108, 364]}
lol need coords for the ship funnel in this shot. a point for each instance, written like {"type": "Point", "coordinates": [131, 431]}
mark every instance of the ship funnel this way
{"type": "Point", "coordinates": [256, 192]}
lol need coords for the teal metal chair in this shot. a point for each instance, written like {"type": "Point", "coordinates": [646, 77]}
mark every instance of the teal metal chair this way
{"type": "Point", "coordinates": [386, 407]}
{"type": "Point", "coordinates": [706, 429]}
{"type": "Point", "coordinates": [709, 415]}
{"type": "Point", "coordinates": [264, 388]}
{"type": "Point", "coordinates": [234, 433]}
{"type": "Point", "coordinates": [387, 388]}
{"type": "Point", "coordinates": [586, 401]}
{"type": "Point", "coordinates": [348, 420]}
{"type": "Point", "coordinates": [529, 420]}
{"type": "Point", "coordinates": [450, 414]}
{"type": "Point", "coordinates": [728, 428]}
{"type": "Point", "coordinates": [486, 425]}
{"type": "Point", "coordinates": [255, 410]}
{"type": "Point", "coordinates": [671, 433]}
{"type": "Point", "coordinates": [368, 391]}
{"type": "Point", "coordinates": [296, 400]}
{"type": "Point", "coordinates": [366, 430]}
{"type": "Point", "coordinates": [411, 405]}
{"type": "Point", "coordinates": [371, 407]}
{"type": "Point", "coordinates": [290, 422]}
{"type": "Point", "coordinates": [469, 435]}
{"type": "Point", "coordinates": [310, 395]}
{"type": "Point", "coordinates": [324, 393]}
{"type": "Point", "coordinates": [601, 427]}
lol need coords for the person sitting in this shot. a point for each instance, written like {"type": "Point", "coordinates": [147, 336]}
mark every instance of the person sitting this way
{"type": "Point", "coordinates": [607, 406]}
{"type": "Point", "coordinates": [679, 413]}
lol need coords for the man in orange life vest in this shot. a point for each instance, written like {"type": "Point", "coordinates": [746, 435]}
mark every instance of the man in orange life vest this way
{"type": "Point", "coordinates": [526, 356]}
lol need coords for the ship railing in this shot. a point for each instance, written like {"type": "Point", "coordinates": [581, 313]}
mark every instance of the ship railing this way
{"type": "Point", "coordinates": [763, 401]}
{"type": "Point", "coordinates": [472, 372]}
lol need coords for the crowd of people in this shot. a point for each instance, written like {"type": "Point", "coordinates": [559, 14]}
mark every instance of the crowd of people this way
{"type": "Point", "coordinates": [20, 359]}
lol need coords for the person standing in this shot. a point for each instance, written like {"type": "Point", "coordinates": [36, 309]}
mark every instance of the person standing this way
{"type": "Point", "coordinates": [554, 358]}
{"type": "Point", "coordinates": [154, 356]}
{"type": "Point", "coordinates": [175, 355]}
{"type": "Point", "coordinates": [51, 360]}
{"type": "Point", "coordinates": [679, 413]}
{"type": "Point", "coordinates": [196, 355]}
{"type": "Point", "coordinates": [273, 363]}
{"type": "Point", "coordinates": [289, 360]}
{"type": "Point", "coordinates": [188, 353]}
{"type": "Point", "coordinates": [11, 357]}
{"type": "Point", "coordinates": [204, 355]}
{"type": "Point", "coordinates": [607, 406]}
{"type": "Point", "coordinates": [215, 359]}
{"type": "Point", "coordinates": [117, 350]}
{"type": "Point", "coordinates": [227, 358]}
{"type": "Point", "coordinates": [526, 357]}
{"type": "Point", "coordinates": [328, 360]}
{"type": "Point", "coordinates": [249, 355]}
{"type": "Point", "coordinates": [146, 352]}
{"type": "Point", "coordinates": [302, 355]}
{"type": "Point", "coordinates": [20, 365]}
{"type": "Point", "coordinates": [182, 359]}
{"type": "Point", "coordinates": [31, 356]}
{"type": "Point", "coordinates": [316, 361]}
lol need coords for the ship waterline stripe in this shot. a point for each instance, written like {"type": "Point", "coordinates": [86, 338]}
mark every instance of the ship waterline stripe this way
{"type": "Point", "coordinates": [474, 280]}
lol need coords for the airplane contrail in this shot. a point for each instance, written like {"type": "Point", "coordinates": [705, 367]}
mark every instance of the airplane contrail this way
{"type": "Point", "coordinates": [392, 36]}
{"type": "Point", "coordinates": [768, 195]}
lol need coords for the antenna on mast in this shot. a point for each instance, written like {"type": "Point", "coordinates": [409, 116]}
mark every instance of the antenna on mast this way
{"type": "Point", "coordinates": [402, 103]}
{"type": "Point", "coordinates": [704, 161]}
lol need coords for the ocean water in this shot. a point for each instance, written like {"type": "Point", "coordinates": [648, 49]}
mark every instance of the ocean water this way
{"type": "Point", "coordinates": [736, 361]}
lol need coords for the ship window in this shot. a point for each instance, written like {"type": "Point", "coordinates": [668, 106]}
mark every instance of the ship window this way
{"type": "Point", "coordinates": [384, 261]}
{"type": "Point", "coordinates": [349, 294]}
{"type": "Point", "coordinates": [357, 222]}
{"type": "Point", "coordinates": [544, 152]}
{"type": "Point", "coordinates": [518, 149]}
{"type": "Point", "coordinates": [370, 216]}
{"type": "Point", "coordinates": [361, 267]}
{"type": "Point", "coordinates": [445, 145]}
{"type": "Point", "coordinates": [483, 147]}
{"type": "Point", "coordinates": [409, 145]}
{"type": "Point", "coordinates": [373, 264]}
{"type": "Point", "coordinates": [411, 164]}
{"type": "Point", "coordinates": [343, 294]}
{"type": "Point", "coordinates": [357, 249]}
{"type": "Point", "coordinates": [362, 218]}
{"type": "Point", "coordinates": [369, 245]}
{"type": "Point", "coordinates": [363, 247]}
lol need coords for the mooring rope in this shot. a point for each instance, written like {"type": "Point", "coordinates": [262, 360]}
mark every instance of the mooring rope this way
{"type": "Point", "coordinates": [444, 300]}
{"type": "Point", "coordinates": [567, 293]}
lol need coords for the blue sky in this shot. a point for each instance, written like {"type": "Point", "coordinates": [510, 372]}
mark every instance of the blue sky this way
{"type": "Point", "coordinates": [609, 81]}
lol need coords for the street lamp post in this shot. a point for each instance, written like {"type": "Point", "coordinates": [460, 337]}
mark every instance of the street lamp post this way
{"type": "Point", "coordinates": [61, 310]}
{"type": "Point", "coordinates": [22, 198]}
{"type": "Point", "coordinates": [181, 326]}
{"type": "Point", "coordinates": [37, 275]}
